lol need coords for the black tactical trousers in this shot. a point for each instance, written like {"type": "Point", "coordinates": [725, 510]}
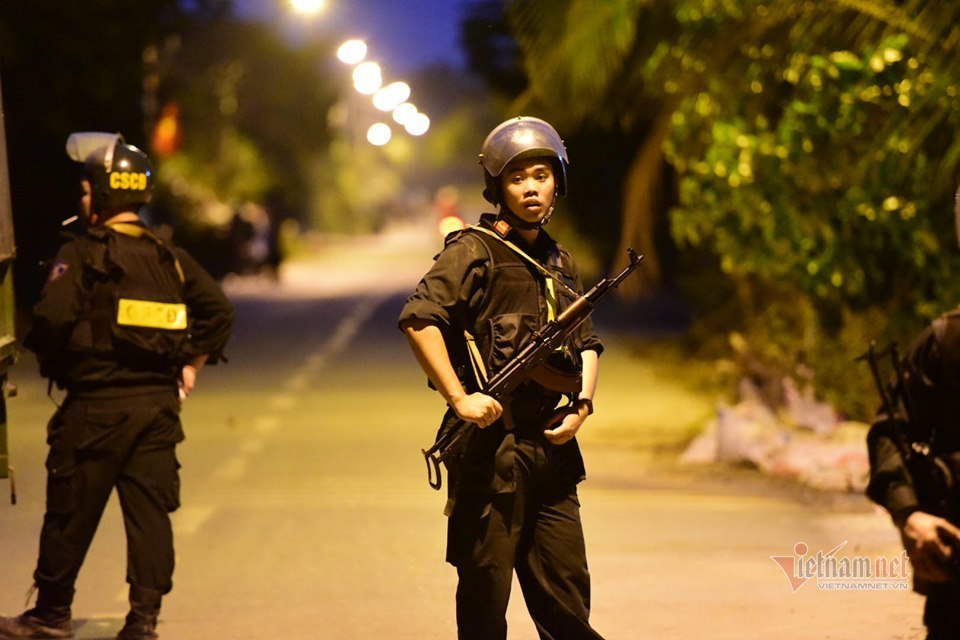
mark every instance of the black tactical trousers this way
{"type": "Point", "coordinates": [535, 531]}
{"type": "Point", "coordinates": [97, 444]}
{"type": "Point", "coordinates": [941, 613]}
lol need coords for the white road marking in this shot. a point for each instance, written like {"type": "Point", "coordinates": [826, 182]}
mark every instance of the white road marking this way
{"type": "Point", "coordinates": [298, 382]}
{"type": "Point", "coordinates": [232, 469]}
{"type": "Point", "coordinates": [283, 401]}
{"type": "Point", "coordinates": [250, 447]}
{"type": "Point", "coordinates": [236, 467]}
{"type": "Point", "coordinates": [266, 424]}
{"type": "Point", "coordinates": [188, 520]}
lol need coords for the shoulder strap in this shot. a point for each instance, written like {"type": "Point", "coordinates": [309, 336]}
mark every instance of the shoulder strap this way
{"type": "Point", "coordinates": [476, 360]}
{"type": "Point", "coordinates": [137, 231]}
{"type": "Point", "coordinates": [520, 252]}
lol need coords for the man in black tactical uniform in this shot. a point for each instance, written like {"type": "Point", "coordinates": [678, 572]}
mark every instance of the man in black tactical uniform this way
{"type": "Point", "coordinates": [931, 388]}
{"type": "Point", "coordinates": [512, 496]}
{"type": "Point", "coordinates": [124, 324]}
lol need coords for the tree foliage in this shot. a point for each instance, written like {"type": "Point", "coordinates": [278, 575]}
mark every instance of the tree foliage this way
{"type": "Point", "coordinates": [73, 66]}
{"type": "Point", "coordinates": [814, 145]}
{"type": "Point", "coordinates": [252, 113]}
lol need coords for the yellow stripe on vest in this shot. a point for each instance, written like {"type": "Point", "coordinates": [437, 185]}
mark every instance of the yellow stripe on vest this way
{"type": "Point", "coordinates": [550, 293]}
{"type": "Point", "coordinates": [155, 315]}
{"type": "Point", "coordinates": [551, 296]}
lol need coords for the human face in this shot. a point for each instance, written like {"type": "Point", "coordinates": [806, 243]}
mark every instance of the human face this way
{"type": "Point", "coordinates": [529, 188]}
{"type": "Point", "coordinates": [86, 203]}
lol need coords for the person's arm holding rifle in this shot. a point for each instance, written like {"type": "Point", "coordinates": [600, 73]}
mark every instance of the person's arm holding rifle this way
{"type": "Point", "coordinates": [428, 346]}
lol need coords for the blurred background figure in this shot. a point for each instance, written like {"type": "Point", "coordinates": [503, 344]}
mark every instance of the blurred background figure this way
{"type": "Point", "coordinates": [253, 242]}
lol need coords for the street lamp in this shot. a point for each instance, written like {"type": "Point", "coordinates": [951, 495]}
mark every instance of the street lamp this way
{"type": "Point", "coordinates": [308, 7]}
{"type": "Point", "coordinates": [418, 124]}
{"type": "Point", "coordinates": [367, 78]}
{"type": "Point", "coordinates": [379, 134]}
{"type": "Point", "coordinates": [387, 98]}
{"type": "Point", "coordinates": [352, 51]}
{"type": "Point", "coordinates": [403, 113]}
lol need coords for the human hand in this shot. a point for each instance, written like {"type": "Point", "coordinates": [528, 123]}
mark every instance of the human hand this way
{"type": "Point", "coordinates": [930, 541]}
{"type": "Point", "coordinates": [479, 408]}
{"type": "Point", "coordinates": [565, 422]}
{"type": "Point", "coordinates": [188, 380]}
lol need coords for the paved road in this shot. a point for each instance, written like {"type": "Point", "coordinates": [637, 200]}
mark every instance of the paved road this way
{"type": "Point", "coordinates": [306, 512]}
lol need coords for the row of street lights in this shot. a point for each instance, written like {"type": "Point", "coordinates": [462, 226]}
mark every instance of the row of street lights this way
{"type": "Point", "coordinates": [367, 75]}
{"type": "Point", "coordinates": [390, 98]}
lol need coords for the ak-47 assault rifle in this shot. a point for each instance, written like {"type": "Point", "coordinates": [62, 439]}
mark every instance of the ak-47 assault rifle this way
{"type": "Point", "coordinates": [932, 479]}
{"type": "Point", "coordinates": [543, 343]}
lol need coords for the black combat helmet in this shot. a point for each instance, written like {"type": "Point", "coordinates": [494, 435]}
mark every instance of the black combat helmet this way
{"type": "Point", "coordinates": [521, 137]}
{"type": "Point", "coordinates": [121, 175]}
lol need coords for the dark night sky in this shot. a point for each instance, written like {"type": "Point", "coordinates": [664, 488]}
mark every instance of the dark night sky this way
{"type": "Point", "coordinates": [403, 35]}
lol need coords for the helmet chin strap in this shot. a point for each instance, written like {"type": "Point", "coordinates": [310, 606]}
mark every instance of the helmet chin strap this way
{"type": "Point", "coordinates": [516, 221]}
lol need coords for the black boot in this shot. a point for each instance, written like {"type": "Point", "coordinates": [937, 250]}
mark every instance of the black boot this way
{"type": "Point", "coordinates": [49, 619]}
{"type": "Point", "coordinates": [141, 622]}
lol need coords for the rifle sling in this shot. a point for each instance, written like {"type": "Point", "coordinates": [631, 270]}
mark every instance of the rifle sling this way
{"type": "Point", "coordinates": [476, 360]}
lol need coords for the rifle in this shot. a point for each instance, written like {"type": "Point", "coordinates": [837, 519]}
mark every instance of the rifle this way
{"type": "Point", "coordinates": [521, 366]}
{"type": "Point", "coordinates": [932, 479]}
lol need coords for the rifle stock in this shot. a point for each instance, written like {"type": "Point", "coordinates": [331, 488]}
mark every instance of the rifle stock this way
{"type": "Point", "coordinates": [521, 366]}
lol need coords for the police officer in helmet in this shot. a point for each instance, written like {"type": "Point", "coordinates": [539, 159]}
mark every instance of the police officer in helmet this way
{"type": "Point", "coordinates": [512, 499]}
{"type": "Point", "coordinates": [124, 324]}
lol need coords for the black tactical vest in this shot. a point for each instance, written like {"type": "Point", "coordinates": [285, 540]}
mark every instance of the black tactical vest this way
{"type": "Point", "coordinates": [135, 308]}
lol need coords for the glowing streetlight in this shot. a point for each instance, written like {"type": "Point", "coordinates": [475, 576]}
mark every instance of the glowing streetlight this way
{"type": "Point", "coordinates": [379, 134]}
{"type": "Point", "coordinates": [367, 78]}
{"type": "Point", "coordinates": [403, 113]}
{"type": "Point", "coordinates": [417, 125]}
{"type": "Point", "coordinates": [352, 51]}
{"type": "Point", "coordinates": [387, 98]}
{"type": "Point", "coordinates": [308, 7]}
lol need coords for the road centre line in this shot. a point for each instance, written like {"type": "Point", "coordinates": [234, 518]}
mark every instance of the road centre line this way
{"type": "Point", "coordinates": [251, 446]}
{"type": "Point", "coordinates": [347, 329]}
{"type": "Point", "coordinates": [266, 424]}
{"type": "Point", "coordinates": [234, 468]}
{"type": "Point", "coordinates": [283, 401]}
{"type": "Point", "coordinates": [298, 382]}
{"type": "Point", "coordinates": [188, 519]}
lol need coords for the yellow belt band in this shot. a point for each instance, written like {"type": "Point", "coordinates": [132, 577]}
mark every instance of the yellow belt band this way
{"type": "Point", "coordinates": [155, 315]}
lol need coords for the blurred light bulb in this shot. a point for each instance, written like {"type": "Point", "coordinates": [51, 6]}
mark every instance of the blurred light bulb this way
{"type": "Point", "coordinates": [449, 224]}
{"type": "Point", "coordinates": [403, 113]}
{"type": "Point", "coordinates": [418, 124]}
{"type": "Point", "coordinates": [308, 7]}
{"type": "Point", "coordinates": [352, 51]}
{"type": "Point", "coordinates": [367, 78]}
{"type": "Point", "coordinates": [387, 98]}
{"type": "Point", "coordinates": [379, 134]}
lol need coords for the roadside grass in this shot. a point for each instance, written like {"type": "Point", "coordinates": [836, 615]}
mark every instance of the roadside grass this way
{"type": "Point", "coordinates": [652, 397]}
